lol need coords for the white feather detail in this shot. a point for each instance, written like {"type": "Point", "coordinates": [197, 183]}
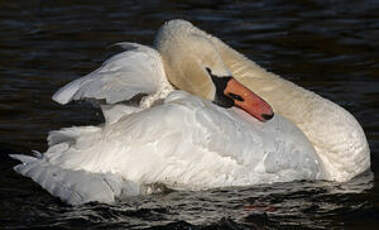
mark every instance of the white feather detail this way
{"type": "Point", "coordinates": [137, 70]}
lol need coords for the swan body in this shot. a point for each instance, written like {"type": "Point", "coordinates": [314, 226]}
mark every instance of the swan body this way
{"type": "Point", "coordinates": [186, 149]}
{"type": "Point", "coordinates": [182, 139]}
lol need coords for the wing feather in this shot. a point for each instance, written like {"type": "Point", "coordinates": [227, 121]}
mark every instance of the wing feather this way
{"type": "Point", "coordinates": [137, 70]}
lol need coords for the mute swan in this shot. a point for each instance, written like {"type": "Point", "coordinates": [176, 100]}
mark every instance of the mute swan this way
{"type": "Point", "coordinates": [182, 139]}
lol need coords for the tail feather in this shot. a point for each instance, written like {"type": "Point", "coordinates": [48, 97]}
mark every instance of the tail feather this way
{"type": "Point", "coordinates": [65, 94]}
{"type": "Point", "coordinates": [70, 135]}
{"type": "Point", "coordinates": [75, 186]}
{"type": "Point", "coordinates": [23, 158]}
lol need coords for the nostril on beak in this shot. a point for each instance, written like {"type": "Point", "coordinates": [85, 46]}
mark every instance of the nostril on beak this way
{"type": "Point", "coordinates": [268, 116]}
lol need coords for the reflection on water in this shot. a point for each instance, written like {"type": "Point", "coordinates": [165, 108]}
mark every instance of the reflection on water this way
{"type": "Point", "coordinates": [330, 47]}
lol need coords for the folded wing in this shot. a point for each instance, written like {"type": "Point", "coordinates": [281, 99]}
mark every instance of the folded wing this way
{"type": "Point", "coordinates": [138, 70]}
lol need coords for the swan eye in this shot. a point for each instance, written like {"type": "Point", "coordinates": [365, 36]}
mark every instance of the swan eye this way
{"type": "Point", "coordinates": [235, 97]}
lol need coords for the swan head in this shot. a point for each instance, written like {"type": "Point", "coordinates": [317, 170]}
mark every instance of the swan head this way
{"type": "Point", "coordinates": [192, 63]}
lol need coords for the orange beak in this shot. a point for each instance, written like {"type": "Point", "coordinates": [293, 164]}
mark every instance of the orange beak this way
{"type": "Point", "coordinates": [248, 101]}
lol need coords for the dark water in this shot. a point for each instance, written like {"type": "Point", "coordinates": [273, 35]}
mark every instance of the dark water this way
{"type": "Point", "coordinates": [330, 47]}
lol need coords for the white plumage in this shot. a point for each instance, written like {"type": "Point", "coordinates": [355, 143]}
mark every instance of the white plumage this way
{"type": "Point", "coordinates": [135, 71]}
{"type": "Point", "coordinates": [175, 138]}
{"type": "Point", "coordinates": [185, 143]}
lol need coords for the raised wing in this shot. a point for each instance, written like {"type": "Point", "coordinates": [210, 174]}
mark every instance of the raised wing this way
{"type": "Point", "coordinates": [138, 70]}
